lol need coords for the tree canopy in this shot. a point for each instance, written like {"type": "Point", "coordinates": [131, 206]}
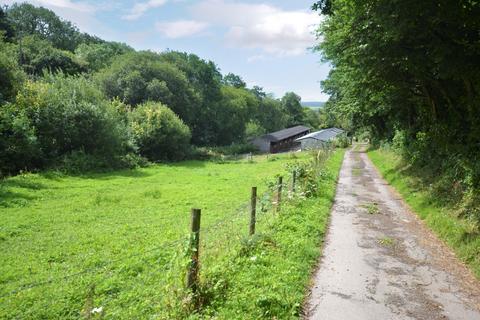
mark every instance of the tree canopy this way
{"type": "Point", "coordinates": [408, 72]}
{"type": "Point", "coordinates": [67, 97]}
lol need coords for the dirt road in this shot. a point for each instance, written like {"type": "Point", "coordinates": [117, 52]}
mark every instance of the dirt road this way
{"type": "Point", "coordinates": [380, 262]}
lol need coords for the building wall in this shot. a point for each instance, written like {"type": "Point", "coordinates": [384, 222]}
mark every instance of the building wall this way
{"type": "Point", "coordinates": [287, 144]}
{"type": "Point", "coordinates": [308, 144]}
{"type": "Point", "coordinates": [262, 144]}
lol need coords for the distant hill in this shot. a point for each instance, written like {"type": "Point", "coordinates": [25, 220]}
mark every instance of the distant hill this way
{"type": "Point", "coordinates": [313, 104]}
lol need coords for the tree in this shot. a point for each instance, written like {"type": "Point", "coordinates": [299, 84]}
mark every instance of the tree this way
{"type": "Point", "coordinates": [11, 74]}
{"type": "Point", "coordinates": [100, 55]}
{"type": "Point", "coordinates": [6, 28]}
{"type": "Point", "coordinates": [18, 143]}
{"type": "Point", "coordinates": [234, 81]}
{"type": "Point", "coordinates": [37, 55]}
{"type": "Point", "coordinates": [409, 71]}
{"type": "Point", "coordinates": [311, 118]}
{"type": "Point", "coordinates": [253, 129]}
{"type": "Point", "coordinates": [293, 107]}
{"type": "Point", "coordinates": [236, 107]}
{"type": "Point", "coordinates": [271, 115]}
{"type": "Point", "coordinates": [159, 133]}
{"type": "Point", "coordinates": [27, 19]}
{"type": "Point", "coordinates": [258, 92]}
{"type": "Point", "coordinates": [70, 114]}
{"type": "Point", "coordinates": [137, 77]}
{"type": "Point", "coordinates": [205, 80]}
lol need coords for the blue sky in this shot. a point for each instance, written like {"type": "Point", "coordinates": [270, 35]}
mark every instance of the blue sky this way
{"type": "Point", "coordinates": [265, 42]}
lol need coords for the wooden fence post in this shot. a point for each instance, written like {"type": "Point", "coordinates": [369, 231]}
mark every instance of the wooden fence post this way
{"type": "Point", "coordinates": [294, 180]}
{"type": "Point", "coordinates": [253, 210]}
{"type": "Point", "coordinates": [192, 278]}
{"type": "Point", "coordinates": [279, 193]}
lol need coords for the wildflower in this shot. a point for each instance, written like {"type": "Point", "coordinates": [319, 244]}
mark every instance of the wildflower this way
{"type": "Point", "coordinates": [97, 310]}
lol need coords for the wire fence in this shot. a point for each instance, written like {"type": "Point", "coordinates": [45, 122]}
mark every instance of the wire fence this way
{"type": "Point", "coordinates": [164, 265]}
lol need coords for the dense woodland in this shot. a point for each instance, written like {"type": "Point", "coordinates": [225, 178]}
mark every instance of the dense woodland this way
{"type": "Point", "coordinates": [72, 100]}
{"type": "Point", "coordinates": [407, 75]}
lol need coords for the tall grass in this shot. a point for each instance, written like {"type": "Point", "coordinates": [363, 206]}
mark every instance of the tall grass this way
{"type": "Point", "coordinates": [462, 235]}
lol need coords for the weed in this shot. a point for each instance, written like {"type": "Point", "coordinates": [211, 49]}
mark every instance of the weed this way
{"type": "Point", "coordinates": [116, 224]}
{"type": "Point", "coordinates": [459, 233]}
{"type": "Point", "coordinates": [386, 241]}
{"type": "Point", "coordinates": [372, 208]}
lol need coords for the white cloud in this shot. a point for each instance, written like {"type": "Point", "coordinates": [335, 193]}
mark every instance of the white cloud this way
{"type": "Point", "coordinates": [180, 28]}
{"type": "Point", "coordinates": [260, 26]}
{"type": "Point", "coordinates": [140, 8]}
{"type": "Point", "coordinates": [255, 58]}
{"type": "Point", "coordinates": [63, 4]}
{"type": "Point", "coordinates": [67, 4]}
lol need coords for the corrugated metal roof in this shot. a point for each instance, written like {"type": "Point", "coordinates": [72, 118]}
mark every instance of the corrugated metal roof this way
{"type": "Point", "coordinates": [285, 133]}
{"type": "Point", "coordinates": [322, 135]}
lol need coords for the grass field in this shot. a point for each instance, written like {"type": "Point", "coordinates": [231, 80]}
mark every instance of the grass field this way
{"type": "Point", "coordinates": [457, 233]}
{"type": "Point", "coordinates": [268, 276]}
{"type": "Point", "coordinates": [74, 243]}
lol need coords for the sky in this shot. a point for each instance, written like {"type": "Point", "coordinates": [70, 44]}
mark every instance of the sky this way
{"type": "Point", "coordinates": [266, 42]}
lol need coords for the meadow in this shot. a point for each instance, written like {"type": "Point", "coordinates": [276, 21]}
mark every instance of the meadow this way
{"type": "Point", "coordinates": [115, 242]}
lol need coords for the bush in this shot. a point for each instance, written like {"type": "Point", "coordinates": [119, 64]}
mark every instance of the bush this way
{"type": "Point", "coordinates": [18, 143]}
{"type": "Point", "coordinates": [69, 115]}
{"type": "Point", "coordinates": [342, 141]}
{"type": "Point", "coordinates": [159, 133]}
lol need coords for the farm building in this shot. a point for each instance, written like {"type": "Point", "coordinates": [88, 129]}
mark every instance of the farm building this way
{"type": "Point", "coordinates": [279, 141]}
{"type": "Point", "coordinates": [318, 139]}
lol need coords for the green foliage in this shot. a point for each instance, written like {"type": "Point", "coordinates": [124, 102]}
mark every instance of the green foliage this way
{"type": "Point", "coordinates": [27, 19]}
{"type": "Point", "coordinates": [70, 115]}
{"type": "Point", "coordinates": [6, 28]}
{"type": "Point", "coordinates": [291, 103]}
{"type": "Point", "coordinates": [271, 115]}
{"type": "Point", "coordinates": [234, 112]}
{"type": "Point", "coordinates": [205, 79]}
{"type": "Point", "coordinates": [159, 133]}
{"type": "Point", "coordinates": [120, 222]}
{"type": "Point", "coordinates": [342, 141]}
{"type": "Point", "coordinates": [265, 277]}
{"type": "Point", "coordinates": [234, 151]}
{"type": "Point", "coordinates": [234, 80]}
{"type": "Point", "coordinates": [138, 77]}
{"type": "Point", "coordinates": [100, 55]}
{"type": "Point", "coordinates": [455, 221]}
{"type": "Point", "coordinates": [11, 74]}
{"type": "Point", "coordinates": [59, 110]}
{"type": "Point", "coordinates": [404, 70]}
{"type": "Point", "coordinates": [37, 56]}
{"type": "Point", "coordinates": [253, 129]}
{"type": "Point", "coordinates": [311, 118]}
{"type": "Point", "coordinates": [18, 142]}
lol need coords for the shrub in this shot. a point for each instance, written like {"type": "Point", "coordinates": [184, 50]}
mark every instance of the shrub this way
{"type": "Point", "coordinates": [69, 114]}
{"type": "Point", "coordinates": [342, 141]}
{"type": "Point", "coordinates": [159, 133]}
{"type": "Point", "coordinates": [18, 143]}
